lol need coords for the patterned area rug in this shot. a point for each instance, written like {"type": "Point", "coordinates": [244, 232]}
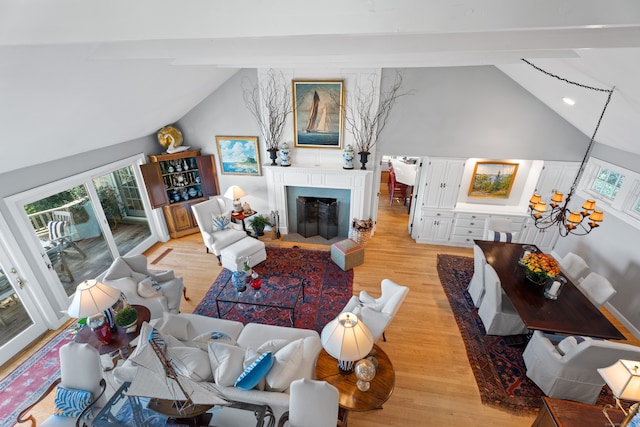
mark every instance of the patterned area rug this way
{"type": "Point", "coordinates": [327, 290]}
{"type": "Point", "coordinates": [31, 378]}
{"type": "Point", "coordinates": [498, 368]}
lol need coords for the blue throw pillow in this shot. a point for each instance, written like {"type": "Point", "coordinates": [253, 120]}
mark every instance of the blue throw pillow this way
{"type": "Point", "coordinates": [71, 403]}
{"type": "Point", "coordinates": [220, 222]}
{"type": "Point", "coordinates": [255, 372]}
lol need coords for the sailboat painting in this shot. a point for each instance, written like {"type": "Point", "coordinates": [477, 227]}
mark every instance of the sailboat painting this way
{"type": "Point", "coordinates": [317, 113]}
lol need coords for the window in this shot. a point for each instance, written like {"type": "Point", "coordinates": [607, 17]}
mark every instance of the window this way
{"type": "Point", "coordinates": [607, 183]}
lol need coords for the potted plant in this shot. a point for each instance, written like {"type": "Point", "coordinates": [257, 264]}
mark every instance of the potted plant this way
{"type": "Point", "coordinates": [258, 222]}
{"type": "Point", "coordinates": [127, 318]}
{"type": "Point", "coordinates": [539, 267]}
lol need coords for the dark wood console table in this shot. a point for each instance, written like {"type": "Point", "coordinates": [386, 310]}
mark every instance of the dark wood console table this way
{"type": "Point", "coordinates": [565, 413]}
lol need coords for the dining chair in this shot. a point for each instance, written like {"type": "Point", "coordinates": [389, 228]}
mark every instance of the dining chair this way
{"type": "Point", "coordinates": [574, 266]}
{"type": "Point", "coordinates": [312, 403]}
{"type": "Point", "coordinates": [597, 288]}
{"type": "Point", "coordinates": [499, 230]}
{"type": "Point", "coordinates": [476, 285]}
{"type": "Point", "coordinates": [496, 311]}
{"type": "Point", "coordinates": [394, 186]}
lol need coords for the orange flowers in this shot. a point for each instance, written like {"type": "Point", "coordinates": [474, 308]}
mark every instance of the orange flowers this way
{"type": "Point", "coordinates": [541, 265]}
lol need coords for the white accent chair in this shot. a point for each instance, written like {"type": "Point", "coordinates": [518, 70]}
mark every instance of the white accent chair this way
{"type": "Point", "coordinates": [476, 285]}
{"type": "Point", "coordinates": [565, 367]}
{"type": "Point", "coordinates": [217, 240]}
{"type": "Point", "coordinates": [574, 266]}
{"type": "Point", "coordinates": [597, 288]}
{"type": "Point", "coordinates": [500, 225]}
{"type": "Point", "coordinates": [126, 273]}
{"type": "Point", "coordinates": [80, 369]}
{"type": "Point", "coordinates": [377, 313]}
{"type": "Point", "coordinates": [311, 404]}
{"type": "Point", "coordinates": [496, 311]}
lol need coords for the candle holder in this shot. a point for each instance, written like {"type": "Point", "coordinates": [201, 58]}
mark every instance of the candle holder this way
{"type": "Point", "coordinates": [553, 287]}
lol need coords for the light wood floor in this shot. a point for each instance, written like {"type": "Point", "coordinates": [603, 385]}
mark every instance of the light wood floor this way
{"type": "Point", "coordinates": [434, 382]}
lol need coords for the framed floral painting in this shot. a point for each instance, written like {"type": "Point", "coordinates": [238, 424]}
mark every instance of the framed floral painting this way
{"type": "Point", "coordinates": [317, 113]}
{"type": "Point", "coordinates": [239, 155]}
{"type": "Point", "coordinates": [493, 179]}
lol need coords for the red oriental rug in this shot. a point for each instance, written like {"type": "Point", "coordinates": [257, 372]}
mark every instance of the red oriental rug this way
{"type": "Point", "coordinates": [327, 289]}
{"type": "Point", "coordinates": [31, 378]}
{"type": "Point", "coordinates": [498, 368]}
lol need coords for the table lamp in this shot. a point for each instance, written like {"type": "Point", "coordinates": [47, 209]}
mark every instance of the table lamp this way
{"type": "Point", "coordinates": [234, 193]}
{"type": "Point", "coordinates": [347, 339]}
{"type": "Point", "coordinates": [90, 300]}
{"type": "Point", "coordinates": [623, 378]}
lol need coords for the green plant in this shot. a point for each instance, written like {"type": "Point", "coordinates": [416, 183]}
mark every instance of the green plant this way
{"type": "Point", "coordinates": [110, 205]}
{"type": "Point", "coordinates": [258, 221]}
{"type": "Point", "coordinates": [126, 316]}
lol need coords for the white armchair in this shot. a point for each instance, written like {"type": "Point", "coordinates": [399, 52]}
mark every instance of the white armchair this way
{"type": "Point", "coordinates": [574, 266]}
{"type": "Point", "coordinates": [216, 239]}
{"type": "Point", "coordinates": [377, 313]}
{"type": "Point", "coordinates": [131, 275]}
{"type": "Point", "coordinates": [80, 377]}
{"type": "Point", "coordinates": [597, 288]}
{"type": "Point", "coordinates": [565, 367]}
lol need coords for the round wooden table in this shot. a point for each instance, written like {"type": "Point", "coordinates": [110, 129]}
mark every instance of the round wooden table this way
{"type": "Point", "coordinates": [119, 337]}
{"type": "Point", "coordinates": [352, 399]}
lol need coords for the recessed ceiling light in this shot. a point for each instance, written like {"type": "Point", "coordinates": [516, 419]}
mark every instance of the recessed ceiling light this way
{"type": "Point", "coordinates": [568, 101]}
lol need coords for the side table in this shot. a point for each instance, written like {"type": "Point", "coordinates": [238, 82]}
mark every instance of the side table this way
{"type": "Point", "coordinates": [565, 413]}
{"type": "Point", "coordinates": [119, 337]}
{"type": "Point", "coordinates": [352, 399]}
{"type": "Point", "coordinates": [241, 216]}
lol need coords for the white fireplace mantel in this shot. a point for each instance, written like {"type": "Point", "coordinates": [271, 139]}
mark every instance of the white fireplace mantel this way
{"type": "Point", "coordinates": [359, 182]}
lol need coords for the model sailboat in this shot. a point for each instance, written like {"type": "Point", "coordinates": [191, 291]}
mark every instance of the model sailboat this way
{"type": "Point", "coordinates": [171, 394]}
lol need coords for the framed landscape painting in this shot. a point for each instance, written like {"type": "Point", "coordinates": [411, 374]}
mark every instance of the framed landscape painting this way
{"type": "Point", "coordinates": [493, 179]}
{"type": "Point", "coordinates": [317, 113]}
{"type": "Point", "coordinates": [239, 155]}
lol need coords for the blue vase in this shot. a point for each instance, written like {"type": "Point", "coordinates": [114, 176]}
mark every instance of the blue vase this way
{"type": "Point", "coordinates": [239, 280]}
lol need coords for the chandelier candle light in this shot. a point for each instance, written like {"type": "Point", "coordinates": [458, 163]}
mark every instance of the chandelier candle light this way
{"type": "Point", "coordinates": [567, 221]}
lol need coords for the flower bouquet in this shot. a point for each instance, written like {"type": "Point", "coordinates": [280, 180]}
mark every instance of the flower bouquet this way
{"type": "Point", "coordinates": [539, 267]}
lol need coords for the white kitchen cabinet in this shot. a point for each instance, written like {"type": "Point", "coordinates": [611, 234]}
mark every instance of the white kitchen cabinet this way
{"type": "Point", "coordinates": [435, 227]}
{"type": "Point", "coordinates": [556, 176]}
{"type": "Point", "coordinates": [442, 183]}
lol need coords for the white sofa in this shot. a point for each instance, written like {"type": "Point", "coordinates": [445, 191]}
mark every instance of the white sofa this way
{"type": "Point", "coordinates": [252, 336]}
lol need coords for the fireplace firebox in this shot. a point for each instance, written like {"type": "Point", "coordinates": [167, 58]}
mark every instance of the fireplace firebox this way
{"type": "Point", "coordinates": [317, 216]}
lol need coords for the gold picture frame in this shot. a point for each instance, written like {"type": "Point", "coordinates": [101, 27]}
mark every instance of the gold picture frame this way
{"type": "Point", "coordinates": [317, 113]}
{"type": "Point", "coordinates": [493, 179]}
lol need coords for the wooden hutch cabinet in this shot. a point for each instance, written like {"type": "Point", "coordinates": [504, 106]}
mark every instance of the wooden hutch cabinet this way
{"type": "Point", "coordinates": [177, 181]}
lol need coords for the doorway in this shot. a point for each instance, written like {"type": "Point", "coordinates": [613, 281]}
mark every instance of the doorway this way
{"type": "Point", "coordinates": [399, 178]}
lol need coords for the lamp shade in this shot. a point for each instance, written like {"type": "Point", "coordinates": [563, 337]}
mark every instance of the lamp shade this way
{"type": "Point", "coordinates": [589, 205]}
{"type": "Point", "coordinates": [234, 192]}
{"type": "Point", "coordinates": [623, 378]}
{"type": "Point", "coordinates": [347, 338]}
{"type": "Point", "coordinates": [574, 217]}
{"type": "Point", "coordinates": [597, 215]}
{"type": "Point", "coordinates": [92, 297]}
{"type": "Point", "coordinates": [535, 199]}
{"type": "Point", "coordinates": [557, 197]}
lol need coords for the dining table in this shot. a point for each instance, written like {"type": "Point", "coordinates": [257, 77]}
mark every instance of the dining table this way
{"type": "Point", "coordinates": [571, 313]}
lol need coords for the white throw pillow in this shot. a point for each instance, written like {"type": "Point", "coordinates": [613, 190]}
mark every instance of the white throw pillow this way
{"type": "Point", "coordinates": [226, 363]}
{"type": "Point", "coordinates": [138, 277]}
{"type": "Point", "coordinates": [147, 290]}
{"type": "Point", "coordinates": [566, 345]}
{"type": "Point", "coordinates": [202, 341]}
{"type": "Point", "coordinates": [191, 362]}
{"type": "Point", "coordinates": [502, 236]}
{"type": "Point", "coordinates": [286, 366]}
{"type": "Point", "coordinates": [272, 345]}
{"type": "Point", "coordinates": [174, 325]}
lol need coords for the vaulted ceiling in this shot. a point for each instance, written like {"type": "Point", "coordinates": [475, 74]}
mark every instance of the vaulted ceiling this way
{"type": "Point", "coordinates": [77, 75]}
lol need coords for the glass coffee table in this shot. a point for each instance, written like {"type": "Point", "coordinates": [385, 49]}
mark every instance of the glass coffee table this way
{"type": "Point", "coordinates": [127, 411]}
{"type": "Point", "coordinates": [276, 292]}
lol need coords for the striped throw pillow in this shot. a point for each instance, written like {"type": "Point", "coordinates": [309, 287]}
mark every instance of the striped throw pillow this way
{"type": "Point", "coordinates": [56, 229]}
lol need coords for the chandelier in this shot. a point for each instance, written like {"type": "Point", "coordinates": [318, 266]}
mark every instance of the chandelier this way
{"type": "Point", "coordinates": [568, 221]}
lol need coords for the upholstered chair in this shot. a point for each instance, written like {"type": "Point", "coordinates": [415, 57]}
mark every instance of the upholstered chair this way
{"type": "Point", "coordinates": [597, 288]}
{"type": "Point", "coordinates": [311, 404]}
{"type": "Point", "coordinates": [214, 221]}
{"type": "Point", "coordinates": [565, 367]}
{"type": "Point", "coordinates": [476, 285]}
{"type": "Point", "coordinates": [574, 266]}
{"type": "Point", "coordinates": [159, 291]}
{"type": "Point", "coordinates": [80, 388]}
{"type": "Point", "coordinates": [499, 230]}
{"type": "Point", "coordinates": [496, 311]}
{"type": "Point", "coordinates": [377, 313]}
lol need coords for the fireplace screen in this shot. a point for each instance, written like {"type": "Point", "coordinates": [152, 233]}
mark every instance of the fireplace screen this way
{"type": "Point", "coordinates": [317, 216]}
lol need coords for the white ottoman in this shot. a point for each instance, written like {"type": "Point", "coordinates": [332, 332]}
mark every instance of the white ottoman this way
{"type": "Point", "coordinates": [233, 255]}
